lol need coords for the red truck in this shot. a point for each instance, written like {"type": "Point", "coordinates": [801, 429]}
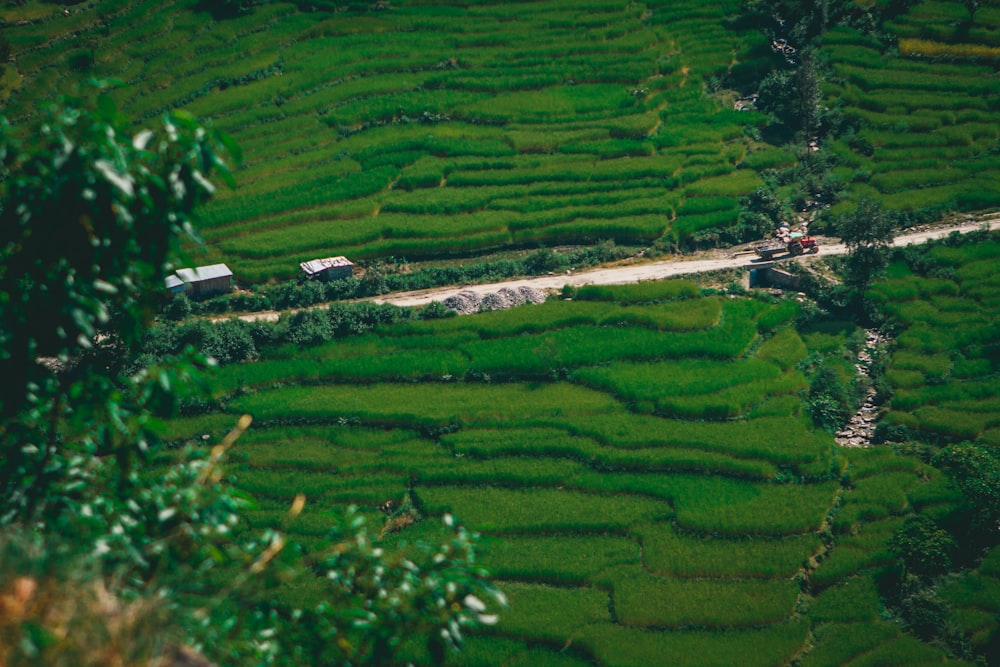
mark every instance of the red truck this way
{"type": "Point", "coordinates": [798, 245]}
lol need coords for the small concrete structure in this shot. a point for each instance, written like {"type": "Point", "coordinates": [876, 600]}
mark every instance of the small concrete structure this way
{"type": "Point", "coordinates": [769, 276]}
{"type": "Point", "coordinates": [330, 268]}
{"type": "Point", "coordinates": [206, 280]}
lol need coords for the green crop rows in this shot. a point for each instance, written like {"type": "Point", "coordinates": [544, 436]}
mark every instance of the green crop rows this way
{"type": "Point", "coordinates": [945, 376]}
{"type": "Point", "coordinates": [420, 131]}
{"type": "Point", "coordinates": [428, 130]}
{"type": "Point", "coordinates": [925, 112]}
{"type": "Point", "coordinates": [640, 457]}
{"type": "Point", "coordinates": [630, 515]}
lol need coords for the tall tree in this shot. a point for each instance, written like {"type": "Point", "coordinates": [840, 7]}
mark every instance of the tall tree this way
{"type": "Point", "coordinates": [868, 232]}
{"type": "Point", "coordinates": [975, 469]}
{"type": "Point", "coordinates": [90, 219]}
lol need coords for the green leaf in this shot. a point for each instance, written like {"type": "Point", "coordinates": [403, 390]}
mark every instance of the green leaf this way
{"type": "Point", "coordinates": [231, 147]}
{"type": "Point", "coordinates": [184, 119]}
{"type": "Point", "coordinates": [106, 106]}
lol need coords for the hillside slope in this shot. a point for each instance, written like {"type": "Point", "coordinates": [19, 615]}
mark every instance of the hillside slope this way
{"type": "Point", "coordinates": [426, 130]}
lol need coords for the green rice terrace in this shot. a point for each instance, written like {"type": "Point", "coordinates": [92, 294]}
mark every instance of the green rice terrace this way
{"type": "Point", "coordinates": [643, 459]}
{"type": "Point", "coordinates": [654, 466]}
{"type": "Point", "coordinates": [425, 130]}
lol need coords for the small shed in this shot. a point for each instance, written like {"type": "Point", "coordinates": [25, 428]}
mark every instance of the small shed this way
{"type": "Point", "coordinates": [330, 268]}
{"type": "Point", "coordinates": [205, 280]}
{"type": "Point", "coordinates": [174, 285]}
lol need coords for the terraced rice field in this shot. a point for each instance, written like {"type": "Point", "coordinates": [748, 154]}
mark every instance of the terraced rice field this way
{"type": "Point", "coordinates": [925, 111]}
{"type": "Point", "coordinates": [427, 129]}
{"type": "Point", "coordinates": [944, 372]}
{"type": "Point", "coordinates": [946, 388]}
{"type": "Point", "coordinates": [653, 492]}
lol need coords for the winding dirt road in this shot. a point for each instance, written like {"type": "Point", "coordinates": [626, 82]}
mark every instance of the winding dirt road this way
{"type": "Point", "coordinates": [634, 273]}
{"type": "Point", "coordinates": [713, 260]}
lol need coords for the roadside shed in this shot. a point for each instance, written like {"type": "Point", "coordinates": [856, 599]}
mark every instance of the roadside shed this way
{"type": "Point", "coordinates": [174, 285]}
{"type": "Point", "coordinates": [205, 280]}
{"type": "Point", "coordinates": [331, 268]}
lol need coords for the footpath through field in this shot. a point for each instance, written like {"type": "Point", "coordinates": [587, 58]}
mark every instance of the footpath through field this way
{"type": "Point", "coordinates": [664, 269]}
{"type": "Point", "coordinates": [714, 260]}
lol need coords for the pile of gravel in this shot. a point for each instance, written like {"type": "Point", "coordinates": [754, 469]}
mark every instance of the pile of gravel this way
{"type": "Point", "coordinates": [463, 303]}
{"type": "Point", "coordinates": [468, 302]}
{"type": "Point", "coordinates": [531, 295]}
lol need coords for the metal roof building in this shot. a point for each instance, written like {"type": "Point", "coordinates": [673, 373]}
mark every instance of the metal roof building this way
{"type": "Point", "coordinates": [202, 280]}
{"type": "Point", "coordinates": [329, 268]}
{"type": "Point", "coordinates": [174, 284]}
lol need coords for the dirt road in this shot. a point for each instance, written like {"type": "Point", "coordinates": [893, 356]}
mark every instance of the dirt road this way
{"type": "Point", "coordinates": [713, 260]}
{"type": "Point", "coordinates": [635, 273]}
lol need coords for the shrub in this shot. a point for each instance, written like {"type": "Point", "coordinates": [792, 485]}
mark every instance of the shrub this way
{"type": "Point", "coordinates": [309, 327]}
{"type": "Point", "coordinates": [177, 308]}
{"type": "Point", "coordinates": [924, 548]}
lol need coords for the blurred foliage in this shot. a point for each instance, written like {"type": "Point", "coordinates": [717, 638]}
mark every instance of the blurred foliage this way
{"type": "Point", "coordinates": [113, 548]}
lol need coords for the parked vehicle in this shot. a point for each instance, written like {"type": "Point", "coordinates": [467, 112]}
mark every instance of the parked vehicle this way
{"type": "Point", "coordinates": [792, 245]}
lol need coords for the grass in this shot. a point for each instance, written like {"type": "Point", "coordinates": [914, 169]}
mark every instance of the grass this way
{"type": "Point", "coordinates": [644, 600]}
{"type": "Point", "coordinates": [918, 104]}
{"type": "Point", "coordinates": [700, 314]}
{"type": "Point", "coordinates": [777, 438]}
{"type": "Point", "coordinates": [838, 643]}
{"type": "Point", "coordinates": [854, 600]}
{"type": "Point", "coordinates": [551, 442]}
{"type": "Point", "coordinates": [942, 375]}
{"type": "Point", "coordinates": [578, 608]}
{"type": "Point", "coordinates": [407, 404]}
{"type": "Point", "coordinates": [580, 86]}
{"type": "Point", "coordinates": [649, 291]}
{"type": "Point", "coordinates": [621, 646]}
{"type": "Point", "coordinates": [862, 548]}
{"type": "Point", "coordinates": [543, 510]}
{"type": "Point", "coordinates": [651, 535]}
{"type": "Point", "coordinates": [725, 506]}
{"type": "Point", "coordinates": [785, 349]}
{"type": "Point", "coordinates": [668, 552]}
{"type": "Point", "coordinates": [558, 559]}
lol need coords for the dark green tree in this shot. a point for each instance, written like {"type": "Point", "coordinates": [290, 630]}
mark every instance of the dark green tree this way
{"type": "Point", "coordinates": [760, 213]}
{"type": "Point", "coordinates": [923, 546]}
{"type": "Point", "coordinates": [90, 219]}
{"type": "Point", "coordinates": [868, 232]}
{"type": "Point", "coordinates": [975, 470]}
{"type": "Point", "coordinates": [972, 6]}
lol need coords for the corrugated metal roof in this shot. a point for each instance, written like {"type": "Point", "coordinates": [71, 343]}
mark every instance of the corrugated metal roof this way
{"type": "Point", "coordinates": [173, 281]}
{"type": "Point", "coordinates": [204, 273]}
{"type": "Point", "coordinates": [318, 265]}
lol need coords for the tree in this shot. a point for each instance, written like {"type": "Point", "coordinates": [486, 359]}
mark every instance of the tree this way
{"type": "Point", "coordinates": [778, 94]}
{"type": "Point", "coordinates": [924, 548]}
{"type": "Point", "coordinates": [868, 232]}
{"type": "Point", "coordinates": [90, 220]}
{"type": "Point", "coordinates": [972, 6]}
{"type": "Point", "coordinates": [976, 471]}
{"type": "Point", "coordinates": [807, 103]}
